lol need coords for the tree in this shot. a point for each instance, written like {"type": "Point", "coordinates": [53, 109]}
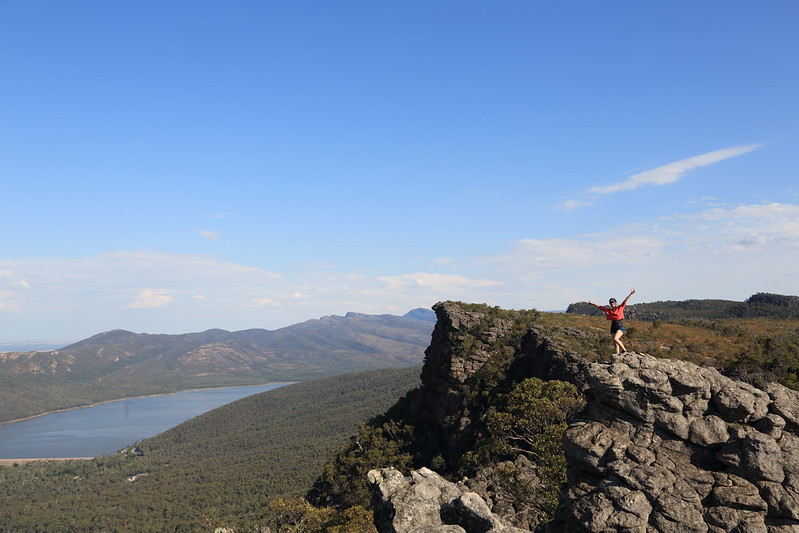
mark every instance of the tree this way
{"type": "Point", "coordinates": [532, 424]}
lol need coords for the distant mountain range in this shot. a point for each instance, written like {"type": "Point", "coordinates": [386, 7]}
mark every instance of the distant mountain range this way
{"type": "Point", "coordinates": [121, 363]}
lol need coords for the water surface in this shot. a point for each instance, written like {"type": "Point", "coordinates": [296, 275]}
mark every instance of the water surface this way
{"type": "Point", "coordinates": [108, 427]}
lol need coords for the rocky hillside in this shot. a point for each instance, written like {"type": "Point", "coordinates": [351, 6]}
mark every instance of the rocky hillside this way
{"type": "Point", "coordinates": [311, 347]}
{"type": "Point", "coordinates": [661, 445]}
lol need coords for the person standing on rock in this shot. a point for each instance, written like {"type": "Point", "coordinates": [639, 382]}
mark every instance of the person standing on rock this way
{"type": "Point", "coordinates": [615, 313]}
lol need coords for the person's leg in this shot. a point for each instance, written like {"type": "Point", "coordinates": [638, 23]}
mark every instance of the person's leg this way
{"type": "Point", "coordinates": [614, 330]}
{"type": "Point", "coordinates": [617, 341]}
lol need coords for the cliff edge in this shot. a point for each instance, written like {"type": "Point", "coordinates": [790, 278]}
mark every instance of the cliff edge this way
{"type": "Point", "coordinates": [661, 445]}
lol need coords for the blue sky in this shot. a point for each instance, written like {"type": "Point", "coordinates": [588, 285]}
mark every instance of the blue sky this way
{"type": "Point", "coordinates": [175, 166]}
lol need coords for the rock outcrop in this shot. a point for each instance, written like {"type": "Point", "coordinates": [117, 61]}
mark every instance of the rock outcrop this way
{"type": "Point", "coordinates": [465, 338]}
{"type": "Point", "coordinates": [667, 446]}
{"type": "Point", "coordinates": [424, 502]}
{"type": "Point", "coordinates": [662, 445]}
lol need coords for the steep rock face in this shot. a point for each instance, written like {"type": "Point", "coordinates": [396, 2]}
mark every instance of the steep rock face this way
{"type": "Point", "coordinates": [484, 351]}
{"type": "Point", "coordinates": [667, 446]}
{"type": "Point", "coordinates": [465, 339]}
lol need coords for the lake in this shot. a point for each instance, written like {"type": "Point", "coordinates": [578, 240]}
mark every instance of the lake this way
{"type": "Point", "coordinates": [108, 427]}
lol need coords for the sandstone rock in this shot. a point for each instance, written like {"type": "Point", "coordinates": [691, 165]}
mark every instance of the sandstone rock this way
{"type": "Point", "coordinates": [741, 402]}
{"type": "Point", "coordinates": [785, 402]}
{"type": "Point", "coordinates": [403, 504]}
{"type": "Point", "coordinates": [471, 512]}
{"type": "Point", "coordinates": [761, 458]}
{"type": "Point", "coordinates": [668, 446]}
{"type": "Point", "coordinates": [489, 482]}
{"type": "Point", "coordinates": [424, 502]}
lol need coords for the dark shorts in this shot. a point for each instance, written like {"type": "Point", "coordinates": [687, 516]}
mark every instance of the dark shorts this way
{"type": "Point", "coordinates": [617, 325]}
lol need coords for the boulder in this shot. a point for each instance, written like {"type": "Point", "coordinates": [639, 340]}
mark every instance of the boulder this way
{"type": "Point", "coordinates": [425, 502]}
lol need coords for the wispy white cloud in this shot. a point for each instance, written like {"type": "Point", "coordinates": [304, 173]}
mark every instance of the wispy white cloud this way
{"type": "Point", "coordinates": [672, 172]}
{"type": "Point", "coordinates": [104, 283]}
{"type": "Point", "coordinates": [210, 235]}
{"type": "Point", "coordinates": [571, 205]}
{"type": "Point", "coordinates": [532, 259]}
{"type": "Point", "coordinates": [663, 175]}
{"type": "Point", "coordinates": [723, 230]}
{"type": "Point", "coordinates": [265, 302]}
{"type": "Point", "coordinates": [742, 228]}
{"type": "Point", "coordinates": [715, 253]}
{"type": "Point", "coordinates": [12, 299]}
{"type": "Point", "coordinates": [151, 299]}
{"type": "Point", "coordinates": [434, 282]}
{"type": "Point", "coordinates": [8, 304]}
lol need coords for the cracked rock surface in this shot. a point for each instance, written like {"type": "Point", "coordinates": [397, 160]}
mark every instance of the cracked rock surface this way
{"type": "Point", "coordinates": [667, 446]}
{"type": "Point", "coordinates": [425, 502]}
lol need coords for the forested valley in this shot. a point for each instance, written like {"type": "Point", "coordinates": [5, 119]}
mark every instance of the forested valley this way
{"type": "Point", "coordinates": [223, 467]}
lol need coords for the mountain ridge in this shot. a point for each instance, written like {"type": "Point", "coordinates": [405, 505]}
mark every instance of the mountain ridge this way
{"type": "Point", "coordinates": [120, 363]}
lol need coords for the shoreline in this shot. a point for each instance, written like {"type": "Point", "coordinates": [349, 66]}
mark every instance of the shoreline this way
{"type": "Point", "coordinates": [12, 462]}
{"type": "Point", "coordinates": [130, 398]}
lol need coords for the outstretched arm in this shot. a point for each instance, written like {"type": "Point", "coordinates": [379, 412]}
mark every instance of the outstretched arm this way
{"type": "Point", "coordinates": [628, 297]}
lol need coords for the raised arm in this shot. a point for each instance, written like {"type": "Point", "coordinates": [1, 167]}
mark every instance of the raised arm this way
{"type": "Point", "coordinates": [628, 297]}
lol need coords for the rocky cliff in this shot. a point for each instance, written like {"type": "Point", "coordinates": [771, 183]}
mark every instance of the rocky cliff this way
{"type": "Point", "coordinates": [488, 350]}
{"type": "Point", "coordinates": [661, 445]}
{"type": "Point", "coordinates": [665, 446]}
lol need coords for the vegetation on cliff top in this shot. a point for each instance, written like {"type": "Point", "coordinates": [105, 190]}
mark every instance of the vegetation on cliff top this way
{"type": "Point", "coordinates": [760, 305]}
{"type": "Point", "coordinates": [761, 346]}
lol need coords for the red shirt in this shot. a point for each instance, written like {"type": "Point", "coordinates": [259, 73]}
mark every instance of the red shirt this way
{"type": "Point", "coordinates": [614, 314]}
